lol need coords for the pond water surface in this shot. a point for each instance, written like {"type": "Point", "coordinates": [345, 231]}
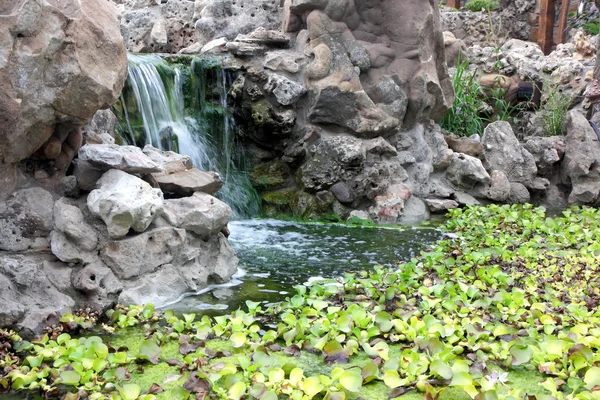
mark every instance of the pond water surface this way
{"type": "Point", "coordinates": [277, 255]}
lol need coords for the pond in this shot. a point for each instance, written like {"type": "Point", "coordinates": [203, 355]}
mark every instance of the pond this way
{"type": "Point", "coordinates": [277, 255]}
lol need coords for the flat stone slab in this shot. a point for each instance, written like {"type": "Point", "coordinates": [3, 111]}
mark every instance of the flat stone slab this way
{"type": "Point", "coordinates": [129, 159]}
{"type": "Point", "coordinates": [440, 205]}
{"type": "Point", "coordinates": [186, 183]}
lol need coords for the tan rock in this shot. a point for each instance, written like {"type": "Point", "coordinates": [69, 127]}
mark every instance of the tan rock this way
{"type": "Point", "coordinates": [186, 183]}
{"type": "Point", "coordinates": [63, 76]}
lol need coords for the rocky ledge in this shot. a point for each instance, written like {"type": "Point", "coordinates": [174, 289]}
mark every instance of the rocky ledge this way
{"type": "Point", "coordinates": [123, 242]}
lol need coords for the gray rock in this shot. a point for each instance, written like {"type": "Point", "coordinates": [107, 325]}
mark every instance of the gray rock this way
{"type": "Point", "coordinates": [333, 159]}
{"type": "Point", "coordinates": [518, 194]}
{"type": "Point", "coordinates": [466, 171]}
{"type": "Point", "coordinates": [581, 163]}
{"type": "Point", "coordinates": [12, 310]}
{"type": "Point", "coordinates": [102, 125]}
{"type": "Point", "coordinates": [124, 202]}
{"type": "Point", "coordinates": [415, 211]}
{"type": "Point", "coordinates": [72, 240]}
{"type": "Point", "coordinates": [201, 213]}
{"type": "Point", "coordinates": [169, 161]}
{"type": "Point", "coordinates": [554, 199]}
{"type": "Point", "coordinates": [144, 253]}
{"type": "Point", "coordinates": [341, 192]}
{"type": "Point", "coordinates": [158, 288]}
{"type": "Point", "coordinates": [380, 146]}
{"type": "Point", "coordinates": [69, 220]}
{"type": "Point", "coordinates": [20, 270]}
{"type": "Point", "coordinates": [129, 159]}
{"type": "Point", "coordinates": [546, 151]}
{"type": "Point", "coordinates": [465, 199]}
{"type": "Point", "coordinates": [218, 18]}
{"type": "Point", "coordinates": [69, 186]}
{"type": "Point", "coordinates": [285, 90]}
{"type": "Point", "coordinates": [360, 214]}
{"type": "Point", "coordinates": [58, 80]}
{"type": "Point", "coordinates": [216, 45]}
{"type": "Point", "coordinates": [264, 36]}
{"type": "Point", "coordinates": [67, 251]}
{"type": "Point", "coordinates": [503, 152]}
{"type": "Point", "coordinates": [284, 60]}
{"type": "Point", "coordinates": [440, 188]}
{"type": "Point", "coordinates": [497, 189]}
{"type": "Point", "coordinates": [245, 49]}
{"type": "Point", "coordinates": [26, 218]}
{"type": "Point", "coordinates": [87, 175]}
{"type": "Point", "coordinates": [346, 109]}
{"type": "Point", "coordinates": [440, 205]}
{"type": "Point", "coordinates": [100, 286]}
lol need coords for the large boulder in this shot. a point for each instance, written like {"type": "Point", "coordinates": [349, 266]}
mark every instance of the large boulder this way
{"type": "Point", "coordinates": [53, 76]}
{"type": "Point", "coordinates": [503, 152]}
{"type": "Point", "coordinates": [365, 84]}
{"type": "Point", "coordinates": [124, 202]}
{"type": "Point", "coordinates": [581, 164]}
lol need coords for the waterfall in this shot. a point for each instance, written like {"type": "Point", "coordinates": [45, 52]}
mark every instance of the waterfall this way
{"type": "Point", "coordinates": [184, 108]}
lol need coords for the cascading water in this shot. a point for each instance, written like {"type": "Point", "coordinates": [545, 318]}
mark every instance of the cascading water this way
{"type": "Point", "coordinates": [184, 108]}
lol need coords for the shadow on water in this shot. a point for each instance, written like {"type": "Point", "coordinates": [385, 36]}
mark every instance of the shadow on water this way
{"type": "Point", "coordinates": [277, 255]}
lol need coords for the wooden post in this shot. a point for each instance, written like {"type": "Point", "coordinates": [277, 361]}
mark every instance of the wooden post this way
{"type": "Point", "coordinates": [546, 29]}
{"type": "Point", "coordinates": [562, 23]}
{"type": "Point", "coordinates": [454, 3]}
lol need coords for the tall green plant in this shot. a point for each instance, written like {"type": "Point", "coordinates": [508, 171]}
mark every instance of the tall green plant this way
{"type": "Point", "coordinates": [464, 118]}
{"type": "Point", "coordinates": [554, 110]}
{"type": "Point", "coordinates": [478, 5]}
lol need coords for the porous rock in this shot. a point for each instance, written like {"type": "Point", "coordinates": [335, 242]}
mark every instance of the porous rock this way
{"type": "Point", "coordinates": [124, 202]}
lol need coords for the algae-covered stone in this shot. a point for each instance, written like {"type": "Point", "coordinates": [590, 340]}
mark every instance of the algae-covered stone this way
{"type": "Point", "coordinates": [270, 175]}
{"type": "Point", "coordinates": [279, 202]}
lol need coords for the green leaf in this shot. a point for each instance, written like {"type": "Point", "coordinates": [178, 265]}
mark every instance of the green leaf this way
{"type": "Point", "coordinates": [441, 369]}
{"type": "Point", "coordinates": [392, 379]}
{"type": "Point", "coordinates": [70, 377]}
{"type": "Point", "coordinates": [130, 391]}
{"type": "Point", "coordinates": [312, 386]}
{"type": "Point", "coordinates": [351, 379]}
{"type": "Point", "coordinates": [237, 390]}
{"type": "Point", "coordinates": [238, 339]}
{"type": "Point", "coordinates": [521, 354]}
{"type": "Point", "coordinates": [150, 351]}
{"type": "Point", "coordinates": [592, 377]}
{"type": "Point", "coordinates": [461, 379]}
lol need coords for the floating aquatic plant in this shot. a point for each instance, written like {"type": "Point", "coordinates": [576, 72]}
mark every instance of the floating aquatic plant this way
{"type": "Point", "coordinates": [505, 308]}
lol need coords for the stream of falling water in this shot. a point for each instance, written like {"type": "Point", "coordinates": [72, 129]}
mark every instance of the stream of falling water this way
{"type": "Point", "coordinates": [155, 112]}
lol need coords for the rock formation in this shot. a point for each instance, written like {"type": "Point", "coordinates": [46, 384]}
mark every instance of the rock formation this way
{"type": "Point", "coordinates": [121, 243]}
{"type": "Point", "coordinates": [101, 231]}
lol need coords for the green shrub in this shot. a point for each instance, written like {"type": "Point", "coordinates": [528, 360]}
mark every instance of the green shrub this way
{"type": "Point", "coordinates": [464, 118]}
{"type": "Point", "coordinates": [478, 5]}
{"type": "Point", "coordinates": [591, 28]}
{"type": "Point", "coordinates": [553, 110]}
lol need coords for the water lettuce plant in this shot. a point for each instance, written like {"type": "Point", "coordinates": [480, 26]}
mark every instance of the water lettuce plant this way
{"type": "Point", "coordinates": [505, 307]}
